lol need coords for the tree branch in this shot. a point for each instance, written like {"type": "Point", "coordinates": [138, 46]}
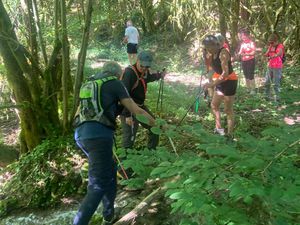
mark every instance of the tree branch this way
{"type": "Point", "coordinates": [140, 208]}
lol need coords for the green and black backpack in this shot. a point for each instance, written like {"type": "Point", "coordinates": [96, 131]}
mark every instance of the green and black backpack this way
{"type": "Point", "coordinates": [90, 108]}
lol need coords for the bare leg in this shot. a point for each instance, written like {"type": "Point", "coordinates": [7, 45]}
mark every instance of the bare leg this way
{"type": "Point", "coordinates": [215, 106]}
{"type": "Point", "coordinates": [248, 84]}
{"type": "Point", "coordinates": [132, 58]}
{"type": "Point", "coordinates": [228, 108]}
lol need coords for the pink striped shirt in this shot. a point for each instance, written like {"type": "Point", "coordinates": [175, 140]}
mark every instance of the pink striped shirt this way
{"type": "Point", "coordinates": [247, 47]}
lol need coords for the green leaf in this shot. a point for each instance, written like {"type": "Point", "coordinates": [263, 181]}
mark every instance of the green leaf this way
{"type": "Point", "coordinates": [248, 199]}
{"type": "Point", "coordinates": [142, 119]}
{"type": "Point", "coordinates": [177, 195]}
{"type": "Point", "coordinates": [156, 130]}
{"type": "Point", "coordinates": [158, 171]}
{"type": "Point", "coordinates": [236, 189]}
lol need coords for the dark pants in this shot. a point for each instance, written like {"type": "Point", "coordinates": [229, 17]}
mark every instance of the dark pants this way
{"type": "Point", "coordinates": [102, 183]}
{"type": "Point", "coordinates": [249, 68]}
{"type": "Point", "coordinates": [129, 132]}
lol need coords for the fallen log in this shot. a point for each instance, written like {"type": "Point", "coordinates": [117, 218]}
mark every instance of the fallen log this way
{"type": "Point", "coordinates": [130, 217]}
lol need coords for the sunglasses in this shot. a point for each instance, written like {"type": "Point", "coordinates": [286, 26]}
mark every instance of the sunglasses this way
{"type": "Point", "coordinates": [146, 67]}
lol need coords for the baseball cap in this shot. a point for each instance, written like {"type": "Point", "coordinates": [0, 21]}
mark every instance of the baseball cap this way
{"type": "Point", "coordinates": [145, 58]}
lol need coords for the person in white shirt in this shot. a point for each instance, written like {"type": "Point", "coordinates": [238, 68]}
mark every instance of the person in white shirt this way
{"type": "Point", "coordinates": [131, 39]}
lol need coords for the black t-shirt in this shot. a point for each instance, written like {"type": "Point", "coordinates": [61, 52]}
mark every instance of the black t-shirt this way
{"type": "Point", "coordinates": [111, 94]}
{"type": "Point", "coordinates": [138, 93]}
{"type": "Point", "coordinates": [216, 64]}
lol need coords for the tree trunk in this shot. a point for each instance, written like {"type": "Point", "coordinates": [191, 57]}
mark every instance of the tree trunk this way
{"type": "Point", "coordinates": [25, 78]}
{"type": "Point", "coordinates": [82, 56]}
{"type": "Point", "coordinates": [32, 30]}
{"type": "Point", "coordinates": [148, 14]}
{"type": "Point", "coordinates": [39, 32]}
{"type": "Point", "coordinates": [65, 65]}
{"type": "Point", "coordinates": [235, 8]}
{"type": "Point", "coordinates": [222, 18]}
{"type": "Point", "coordinates": [19, 84]}
{"type": "Point", "coordinates": [245, 15]}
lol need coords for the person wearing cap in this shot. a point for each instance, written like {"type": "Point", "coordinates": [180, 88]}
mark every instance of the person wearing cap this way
{"type": "Point", "coordinates": [224, 82]}
{"type": "Point", "coordinates": [96, 140]}
{"type": "Point", "coordinates": [274, 55]}
{"type": "Point", "coordinates": [135, 79]}
{"type": "Point", "coordinates": [131, 38]}
{"type": "Point", "coordinates": [247, 53]}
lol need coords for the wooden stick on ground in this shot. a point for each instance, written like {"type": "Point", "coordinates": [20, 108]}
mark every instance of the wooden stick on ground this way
{"type": "Point", "coordinates": [140, 208]}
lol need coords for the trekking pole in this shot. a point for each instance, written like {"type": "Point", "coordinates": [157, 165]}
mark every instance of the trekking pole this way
{"type": "Point", "coordinates": [132, 128]}
{"type": "Point", "coordinates": [118, 160]}
{"type": "Point", "coordinates": [198, 95]}
{"type": "Point", "coordinates": [173, 146]}
{"type": "Point", "coordinates": [198, 99]}
{"type": "Point", "coordinates": [160, 93]}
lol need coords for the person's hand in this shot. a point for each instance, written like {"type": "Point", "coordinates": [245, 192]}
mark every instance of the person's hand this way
{"type": "Point", "coordinates": [129, 121]}
{"type": "Point", "coordinates": [208, 85]}
{"type": "Point", "coordinates": [163, 73]}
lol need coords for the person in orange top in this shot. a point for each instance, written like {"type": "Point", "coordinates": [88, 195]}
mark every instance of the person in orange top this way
{"type": "Point", "coordinates": [224, 82]}
{"type": "Point", "coordinates": [247, 53]}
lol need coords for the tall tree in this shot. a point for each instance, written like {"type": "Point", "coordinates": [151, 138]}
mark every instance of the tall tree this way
{"type": "Point", "coordinates": [222, 18]}
{"type": "Point", "coordinates": [65, 65]}
{"type": "Point", "coordinates": [82, 55]}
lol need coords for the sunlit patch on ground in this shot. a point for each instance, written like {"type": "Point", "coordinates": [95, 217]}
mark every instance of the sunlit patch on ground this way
{"type": "Point", "coordinates": [291, 120]}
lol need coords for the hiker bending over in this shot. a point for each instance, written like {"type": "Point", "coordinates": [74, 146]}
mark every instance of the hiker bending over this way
{"type": "Point", "coordinates": [95, 125]}
{"type": "Point", "coordinates": [135, 79]}
{"type": "Point", "coordinates": [131, 38]}
{"type": "Point", "coordinates": [224, 82]}
{"type": "Point", "coordinates": [247, 53]}
{"type": "Point", "coordinates": [275, 63]}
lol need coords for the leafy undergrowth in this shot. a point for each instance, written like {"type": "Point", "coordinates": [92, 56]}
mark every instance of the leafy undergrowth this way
{"type": "Point", "coordinates": [45, 177]}
{"type": "Point", "coordinates": [251, 181]}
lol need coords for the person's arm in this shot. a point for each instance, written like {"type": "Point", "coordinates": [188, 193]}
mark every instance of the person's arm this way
{"type": "Point", "coordinates": [128, 79]}
{"type": "Point", "coordinates": [277, 54]}
{"type": "Point", "coordinates": [125, 39]}
{"type": "Point", "coordinates": [241, 50]}
{"type": "Point", "coordinates": [135, 109]}
{"type": "Point", "coordinates": [155, 76]}
{"type": "Point", "coordinates": [253, 49]}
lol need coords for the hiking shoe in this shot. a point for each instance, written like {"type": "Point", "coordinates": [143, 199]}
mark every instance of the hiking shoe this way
{"type": "Point", "coordinates": [110, 222]}
{"type": "Point", "coordinates": [219, 131]}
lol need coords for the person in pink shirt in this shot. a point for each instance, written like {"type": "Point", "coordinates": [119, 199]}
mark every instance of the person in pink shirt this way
{"type": "Point", "coordinates": [274, 55]}
{"type": "Point", "coordinates": [247, 53]}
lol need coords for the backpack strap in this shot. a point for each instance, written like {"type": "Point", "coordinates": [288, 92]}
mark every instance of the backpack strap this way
{"type": "Point", "coordinates": [139, 78]}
